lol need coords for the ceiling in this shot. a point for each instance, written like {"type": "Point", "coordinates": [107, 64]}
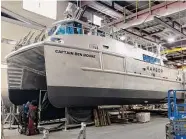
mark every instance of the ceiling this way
{"type": "Point", "coordinates": [158, 30]}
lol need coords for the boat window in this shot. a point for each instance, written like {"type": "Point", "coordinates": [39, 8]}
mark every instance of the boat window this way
{"type": "Point", "coordinates": [150, 59]}
{"type": "Point", "coordinates": [101, 33]}
{"type": "Point", "coordinates": [61, 30]}
{"type": "Point", "coordinates": [77, 28]}
{"type": "Point", "coordinates": [70, 28]}
{"type": "Point", "coordinates": [105, 46]}
{"type": "Point", "coordinates": [52, 30]}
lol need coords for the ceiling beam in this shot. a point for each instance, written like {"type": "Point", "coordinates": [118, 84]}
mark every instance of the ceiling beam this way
{"type": "Point", "coordinates": [139, 36]}
{"type": "Point", "coordinates": [23, 19]}
{"type": "Point", "coordinates": [121, 9]}
{"type": "Point", "coordinates": [113, 5]}
{"type": "Point", "coordinates": [168, 20]}
{"type": "Point", "coordinates": [163, 9]}
{"type": "Point", "coordinates": [156, 32]}
{"type": "Point", "coordinates": [176, 24]}
{"type": "Point", "coordinates": [21, 23]}
{"type": "Point", "coordinates": [147, 34]}
{"type": "Point", "coordinates": [174, 50]}
{"type": "Point", "coordinates": [150, 26]}
{"type": "Point", "coordinates": [177, 58]}
{"type": "Point", "coordinates": [103, 9]}
{"type": "Point", "coordinates": [168, 26]}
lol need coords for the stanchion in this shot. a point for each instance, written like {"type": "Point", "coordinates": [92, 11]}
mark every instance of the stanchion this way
{"type": "Point", "coordinates": [82, 132]}
{"type": "Point", "coordinates": [2, 118]}
{"type": "Point", "coordinates": [66, 118]}
{"type": "Point", "coordinates": [39, 108]}
{"type": "Point", "coordinates": [45, 134]}
{"type": "Point", "coordinates": [2, 131]}
{"type": "Point", "coordinates": [65, 125]}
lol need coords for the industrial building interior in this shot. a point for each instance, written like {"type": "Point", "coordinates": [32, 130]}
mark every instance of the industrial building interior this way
{"type": "Point", "coordinates": [93, 69]}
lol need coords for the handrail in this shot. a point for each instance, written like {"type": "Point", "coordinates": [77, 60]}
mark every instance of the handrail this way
{"type": "Point", "coordinates": [68, 30]}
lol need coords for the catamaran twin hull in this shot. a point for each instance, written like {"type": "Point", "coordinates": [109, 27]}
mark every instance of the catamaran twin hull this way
{"type": "Point", "coordinates": [81, 76]}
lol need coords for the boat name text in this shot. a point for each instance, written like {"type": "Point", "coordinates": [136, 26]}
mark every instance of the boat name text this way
{"type": "Point", "coordinates": [75, 53]}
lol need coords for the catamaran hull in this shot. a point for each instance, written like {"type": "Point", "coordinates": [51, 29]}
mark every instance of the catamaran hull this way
{"type": "Point", "coordinates": [22, 96]}
{"type": "Point", "coordinates": [84, 96]}
{"type": "Point", "coordinates": [80, 75]}
{"type": "Point", "coordinates": [81, 96]}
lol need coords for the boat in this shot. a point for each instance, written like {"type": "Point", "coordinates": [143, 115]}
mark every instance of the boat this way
{"type": "Point", "coordinates": [80, 65]}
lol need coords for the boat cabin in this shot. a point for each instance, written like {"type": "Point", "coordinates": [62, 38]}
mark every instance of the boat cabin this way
{"type": "Point", "coordinates": [73, 26]}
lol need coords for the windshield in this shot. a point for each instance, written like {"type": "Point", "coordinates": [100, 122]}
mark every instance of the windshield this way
{"type": "Point", "coordinates": [52, 30]}
{"type": "Point", "coordinates": [70, 28]}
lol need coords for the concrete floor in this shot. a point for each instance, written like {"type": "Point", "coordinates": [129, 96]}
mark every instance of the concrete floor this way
{"type": "Point", "coordinates": [155, 129]}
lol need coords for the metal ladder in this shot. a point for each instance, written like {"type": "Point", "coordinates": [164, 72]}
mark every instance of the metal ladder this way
{"type": "Point", "coordinates": [15, 76]}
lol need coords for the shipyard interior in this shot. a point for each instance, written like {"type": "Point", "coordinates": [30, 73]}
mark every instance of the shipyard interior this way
{"type": "Point", "coordinates": [93, 69]}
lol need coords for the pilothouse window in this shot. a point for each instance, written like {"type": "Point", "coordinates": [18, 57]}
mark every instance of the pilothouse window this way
{"type": "Point", "coordinates": [70, 28]}
{"type": "Point", "coordinates": [52, 30]}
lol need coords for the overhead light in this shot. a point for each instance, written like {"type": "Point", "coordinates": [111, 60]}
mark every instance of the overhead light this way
{"type": "Point", "coordinates": [122, 38]}
{"type": "Point", "coordinates": [8, 41]}
{"type": "Point", "coordinates": [12, 42]}
{"type": "Point", "coordinates": [97, 20]}
{"type": "Point", "coordinates": [178, 64]}
{"type": "Point", "coordinates": [171, 40]}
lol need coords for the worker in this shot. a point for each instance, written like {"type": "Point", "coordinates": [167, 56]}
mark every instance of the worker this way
{"type": "Point", "coordinates": [25, 114]}
{"type": "Point", "coordinates": [33, 118]}
{"type": "Point", "coordinates": [26, 108]}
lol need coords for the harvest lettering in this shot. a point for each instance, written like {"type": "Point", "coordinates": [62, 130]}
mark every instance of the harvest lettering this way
{"type": "Point", "coordinates": [75, 53]}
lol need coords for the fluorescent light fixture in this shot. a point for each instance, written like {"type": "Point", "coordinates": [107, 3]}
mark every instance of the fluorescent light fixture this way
{"type": "Point", "coordinates": [12, 42]}
{"type": "Point", "coordinates": [8, 41]}
{"type": "Point", "coordinates": [122, 38]}
{"type": "Point", "coordinates": [171, 39]}
{"type": "Point", "coordinates": [178, 64]}
{"type": "Point", "coordinates": [97, 20]}
{"type": "Point", "coordinates": [47, 8]}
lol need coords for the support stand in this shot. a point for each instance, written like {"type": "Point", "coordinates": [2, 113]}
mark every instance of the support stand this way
{"type": "Point", "coordinates": [66, 118]}
{"type": "Point", "coordinates": [2, 131]}
{"type": "Point", "coordinates": [45, 134]}
{"type": "Point", "coordinates": [41, 95]}
{"type": "Point", "coordinates": [10, 118]}
{"type": "Point", "coordinates": [82, 132]}
{"type": "Point", "coordinates": [65, 125]}
{"type": "Point", "coordinates": [2, 118]}
{"type": "Point", "coordinates": [39, 107]}
{"type": "Point", "coordinates": [124, 115]}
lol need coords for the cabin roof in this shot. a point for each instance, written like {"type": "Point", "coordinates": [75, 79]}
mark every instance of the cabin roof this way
{"type": "Point", "coordinates": [72, 20]}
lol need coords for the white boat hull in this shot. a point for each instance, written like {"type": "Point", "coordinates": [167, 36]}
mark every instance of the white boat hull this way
{"type": "Point", "coordinates": [83, 76]}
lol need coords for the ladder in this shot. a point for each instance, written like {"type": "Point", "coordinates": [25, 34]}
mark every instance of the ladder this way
{"type": "Point", "coordinates": [175, 129]}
